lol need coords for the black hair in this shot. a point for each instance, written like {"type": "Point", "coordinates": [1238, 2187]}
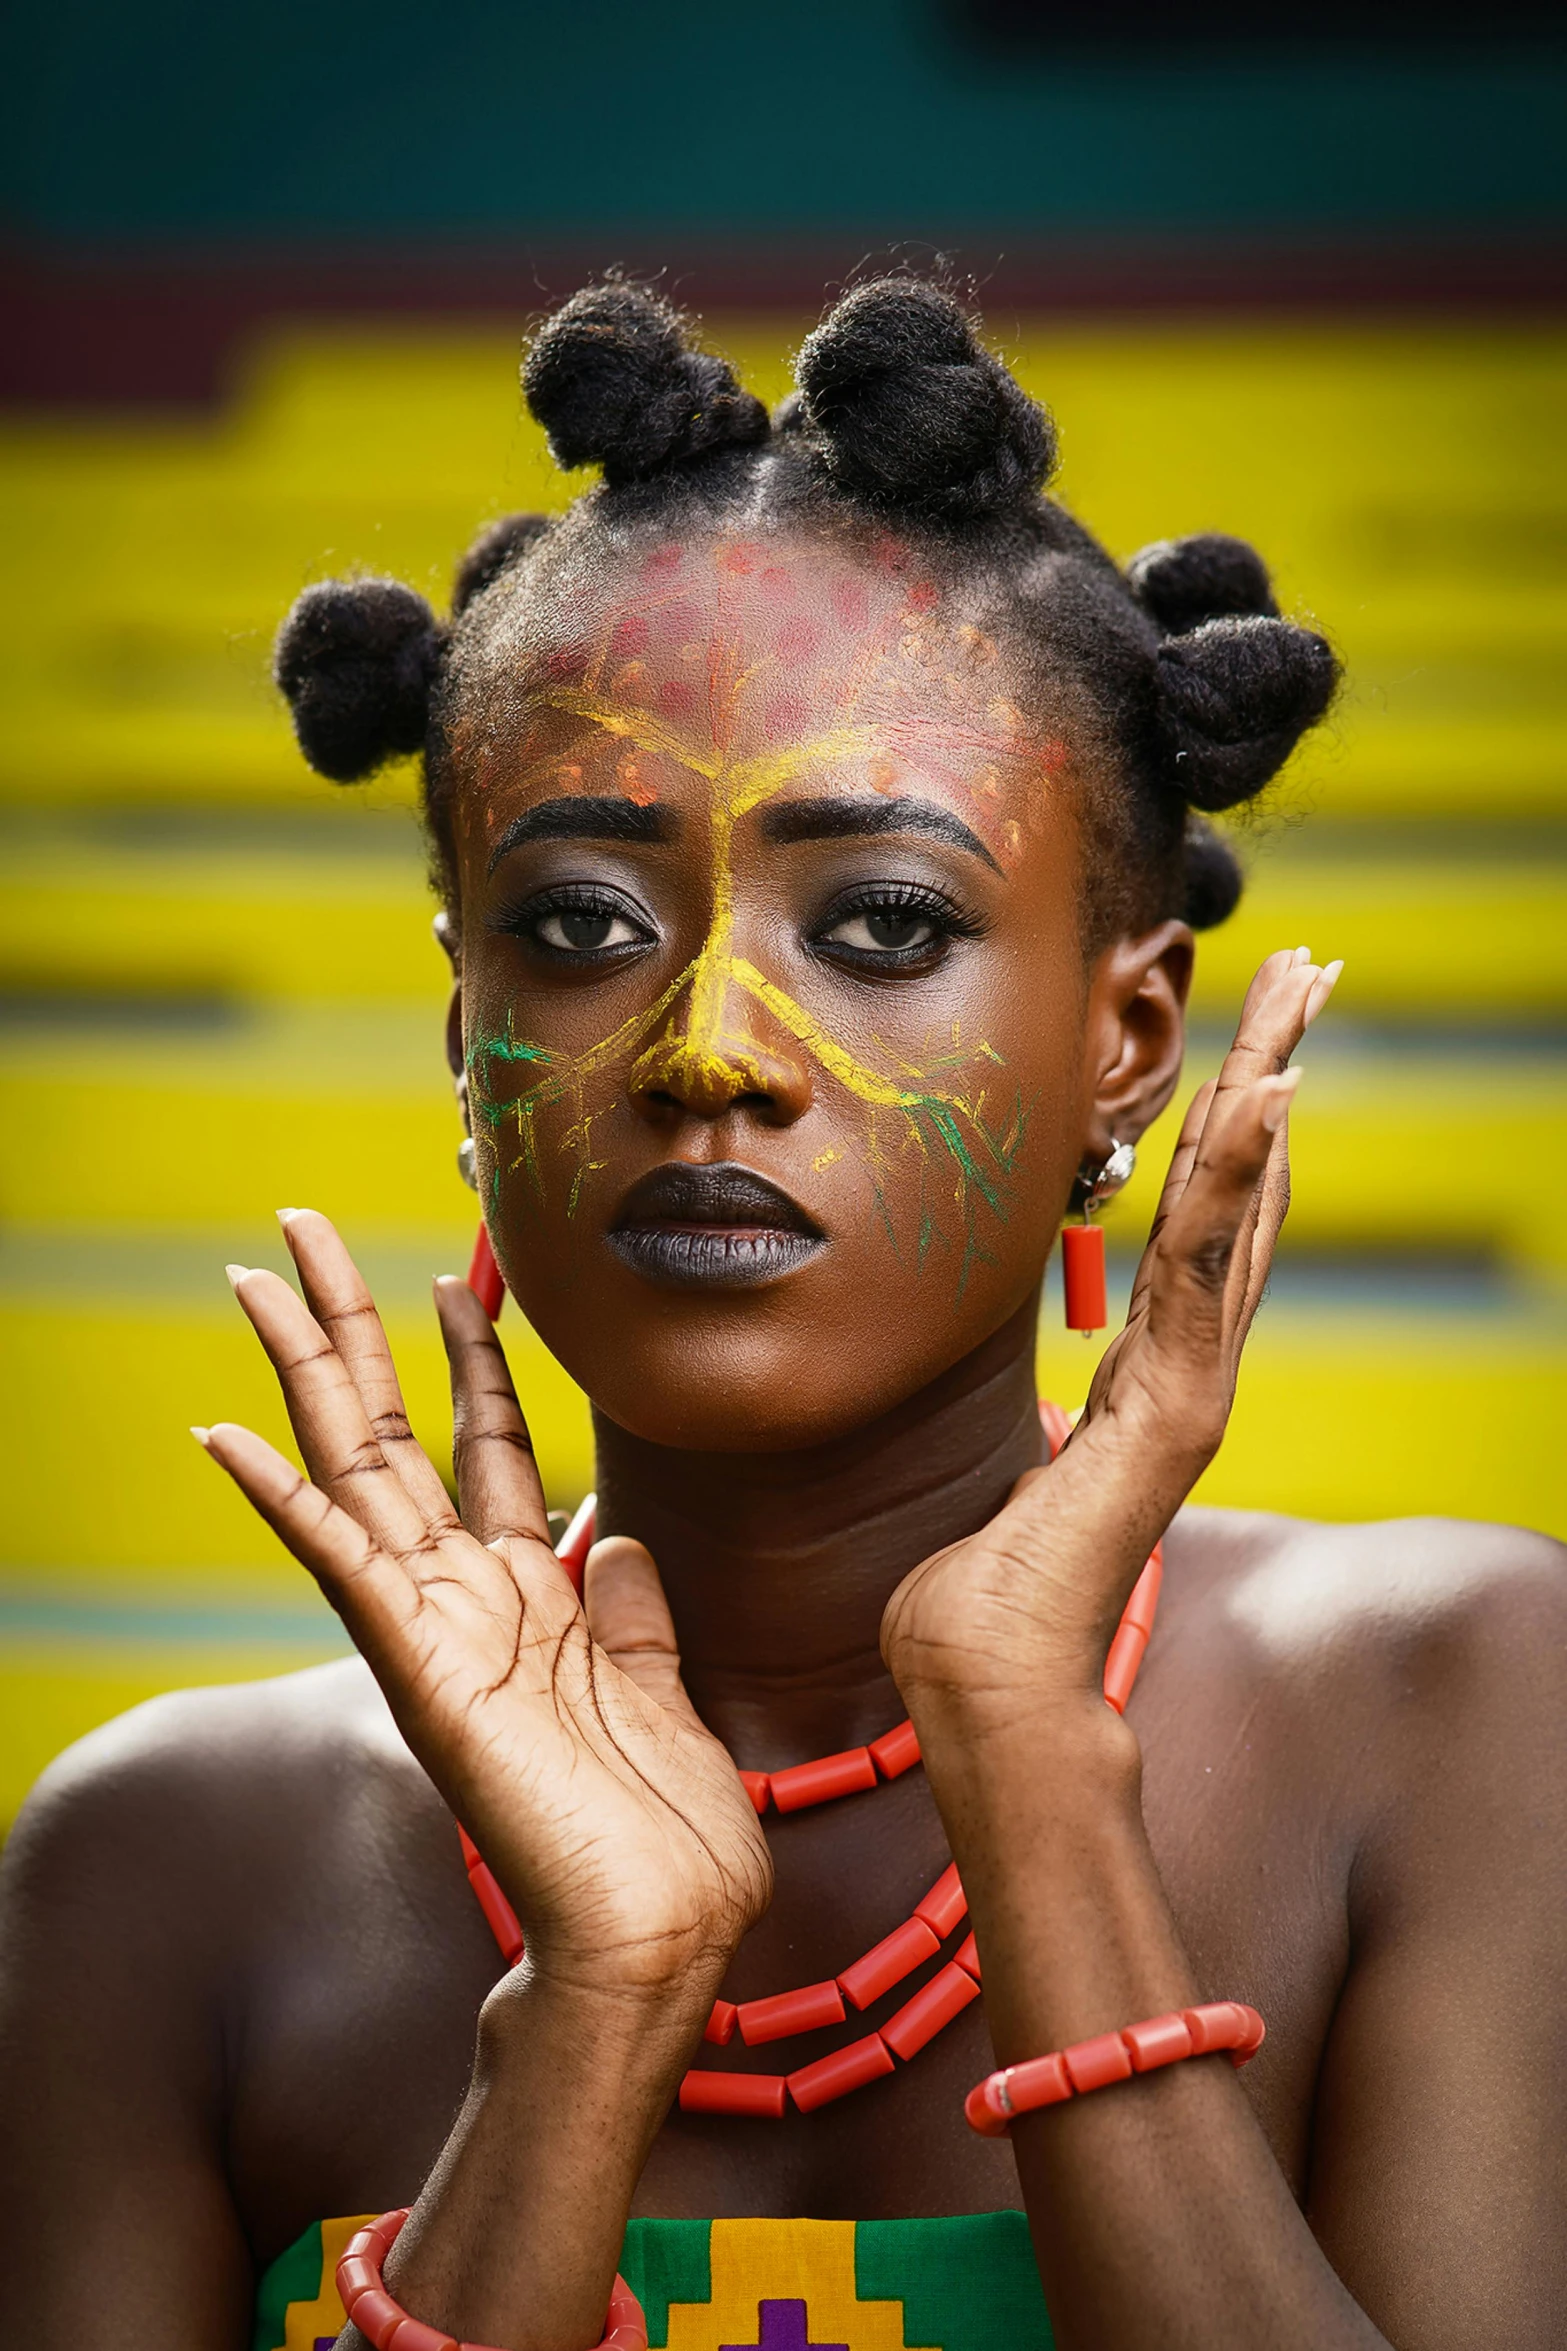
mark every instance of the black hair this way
{"type": "Point", "coordinates": [1195, 687]}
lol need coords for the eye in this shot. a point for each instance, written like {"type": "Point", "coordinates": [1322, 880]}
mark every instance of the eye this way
{"type": "Point", "coordinates": [879, 928]}
{"type": "Point", "coordinates": [576, 930]}
{"type": "Point", "coordinates": [579, 924]}
{"type": "Point", "coordinates": [891, 927]}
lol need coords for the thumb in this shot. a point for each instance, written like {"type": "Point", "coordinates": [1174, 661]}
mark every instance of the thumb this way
{"type": "Point", "coordinates": [629, 1618]}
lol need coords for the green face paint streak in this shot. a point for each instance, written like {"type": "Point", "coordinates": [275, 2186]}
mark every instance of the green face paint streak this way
{"type": "Point", "coordinates": [945, 1122]}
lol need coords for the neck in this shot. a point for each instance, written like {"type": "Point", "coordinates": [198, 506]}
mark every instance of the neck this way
{"type": "Point", "coordinates": [778, 1566]}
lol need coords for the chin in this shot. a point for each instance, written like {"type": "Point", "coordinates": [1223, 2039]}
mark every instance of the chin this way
{"type": "Point", "coordinates": [744, 1374]}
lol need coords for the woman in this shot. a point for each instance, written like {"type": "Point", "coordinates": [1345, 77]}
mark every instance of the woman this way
{"type": "Point", "coordinates": [811, 812]}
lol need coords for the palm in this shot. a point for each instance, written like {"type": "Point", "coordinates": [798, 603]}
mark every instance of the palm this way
{"type": "Point", "coordinates": [1041, 1587]}
{"type": "Point", "coordinates": [615, 1822]}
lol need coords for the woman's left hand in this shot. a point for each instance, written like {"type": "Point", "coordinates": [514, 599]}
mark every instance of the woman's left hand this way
{"type": "Point", "coordinates": [1032, 1600]}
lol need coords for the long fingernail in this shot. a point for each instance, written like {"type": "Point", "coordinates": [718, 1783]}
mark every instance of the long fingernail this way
{"type": "Point", "coordinates": [1276, 1102]}
{"type": "Point", "coordinates": [283, 1214]}
{"type": "Point", "coordinates": [236, 1274]}
{"type": "Point", "coordinates": [203, 1438]}
{"type": "Point", "coordinates": [1303, 955]}
{"type": "Point", "coordinates": [1322, 988]}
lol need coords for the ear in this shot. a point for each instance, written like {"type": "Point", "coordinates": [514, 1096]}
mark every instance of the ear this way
{"type": "Point", "coordinates": [449, 940]}
{"type": "Point", "coordinates": [1136, 1033]}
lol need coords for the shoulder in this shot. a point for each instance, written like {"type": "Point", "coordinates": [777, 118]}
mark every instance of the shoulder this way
{"type": "Point", "coordinates": [1389, 1595]}
{"type": "Point", "coordinates": [163, 1814]}
{"type": "Point", "coordinates": [1407, 1642]}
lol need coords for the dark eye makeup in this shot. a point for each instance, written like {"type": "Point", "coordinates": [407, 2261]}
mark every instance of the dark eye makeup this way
{"type": "Point", "coordinates": [879, 929]}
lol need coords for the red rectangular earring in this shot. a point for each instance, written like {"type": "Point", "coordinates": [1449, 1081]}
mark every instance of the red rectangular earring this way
{"type": "Point", "coordinates": [1083, 1245]}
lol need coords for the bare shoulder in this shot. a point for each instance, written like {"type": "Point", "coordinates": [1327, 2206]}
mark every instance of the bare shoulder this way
{"type": "Point", "coordinates": [181, 1811]}
{"type": "Point", "coordinates": [1408, 1633]}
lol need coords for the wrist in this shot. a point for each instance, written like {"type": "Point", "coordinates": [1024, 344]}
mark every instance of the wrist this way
{"type": "Point", "coordinates": [595, 2023]}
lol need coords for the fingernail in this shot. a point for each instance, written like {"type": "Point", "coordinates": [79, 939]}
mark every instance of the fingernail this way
{"type": "Point", "coordinates": [236, 1274]}
{"type": "Point", "coordinates": [1303, 955]}
{"type": "Point", "coordinates": [283, 1214]}
{"type": "Point", "coordinates": [1322, 988]}
{"type": "Point", "coordinates": [1276, 1102]}
{"type": "Point", "coordinates": [203, 1438]}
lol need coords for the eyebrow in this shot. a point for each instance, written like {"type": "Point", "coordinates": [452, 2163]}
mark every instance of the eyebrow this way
{"type": "Point", "coordinates": [839, 819]}
{"type": "Point", "coordinates": [583, 817]}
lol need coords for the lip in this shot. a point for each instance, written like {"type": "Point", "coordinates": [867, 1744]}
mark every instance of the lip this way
{"type": "Point", "coordinates": [715, 1227]}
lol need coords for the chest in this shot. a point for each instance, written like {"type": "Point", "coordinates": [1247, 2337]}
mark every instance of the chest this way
{"type": "Point", "coordinates": [361, 2001]}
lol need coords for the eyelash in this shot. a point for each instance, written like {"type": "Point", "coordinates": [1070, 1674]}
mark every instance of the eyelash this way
{"type": "Point", "coordinates": [949, 921]}
{"type": "Point", "coordinates": [914, 898]}
{"type": "Point", "coordinates": [527, 919]}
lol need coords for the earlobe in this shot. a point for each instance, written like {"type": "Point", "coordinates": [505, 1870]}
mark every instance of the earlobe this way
{"type": "Point", "coordinates": [1137, 1031]}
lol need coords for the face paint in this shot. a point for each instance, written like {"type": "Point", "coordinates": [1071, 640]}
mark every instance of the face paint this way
{"type": "Point", "coordinates": [951, 1108]}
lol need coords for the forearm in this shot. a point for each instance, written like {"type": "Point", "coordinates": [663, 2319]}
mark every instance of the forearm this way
{"type": "Point", "coordinates": [1157, 2209]}
{"type": "Point", "coordinates": [515, 2238]}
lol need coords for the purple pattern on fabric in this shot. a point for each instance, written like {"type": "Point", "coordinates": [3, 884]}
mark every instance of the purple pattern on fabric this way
{"type": "Point", "coordinates": [781, 2327]}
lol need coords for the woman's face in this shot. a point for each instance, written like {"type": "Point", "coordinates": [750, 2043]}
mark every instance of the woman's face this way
{"type": "Point", "coordinates": [773, 992]}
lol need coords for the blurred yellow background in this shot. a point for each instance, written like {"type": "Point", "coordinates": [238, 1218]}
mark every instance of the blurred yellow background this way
{"type": "Point", "coordinates": [218, 991]}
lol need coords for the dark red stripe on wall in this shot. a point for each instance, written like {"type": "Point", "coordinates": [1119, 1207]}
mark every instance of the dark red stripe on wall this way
{"type": "Point", "coordinates": [163, 327]}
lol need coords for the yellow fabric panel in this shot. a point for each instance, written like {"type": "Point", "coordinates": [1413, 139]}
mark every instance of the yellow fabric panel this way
{"type": "Point", "coordinates": [810, 2261]}
{"type": "Point", "coordinates": [308, 2321]}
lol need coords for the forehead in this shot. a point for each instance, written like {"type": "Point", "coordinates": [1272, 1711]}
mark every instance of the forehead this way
{"type": "Point", "coordinates": [747, 666]}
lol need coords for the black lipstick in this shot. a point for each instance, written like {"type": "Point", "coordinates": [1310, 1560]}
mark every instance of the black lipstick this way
{"type": "Point", "coordinates": [718, 1227]}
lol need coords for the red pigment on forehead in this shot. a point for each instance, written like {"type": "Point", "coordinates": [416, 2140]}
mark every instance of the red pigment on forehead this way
{"type": "Point", "coordinates": [661, 563]}
{"type": "Point", "coordinates": [634, 781]}
{"type": "Point", "coordinates": [851, 603]}
{"type": "Point", "coordinates": [776, 581]}
{"type": "Point", "coordinates": [787, 718]}
{"type": "Point", "coordinates": [798, 639]}
{"type": "Point", "coordinates": [674, 694]}
{"type": "Point", "coordinates": [738, 556]}
{"type": "Point", "coordinates": [631, 633]}
{"type": "Point", "coordinates": [922, 597]}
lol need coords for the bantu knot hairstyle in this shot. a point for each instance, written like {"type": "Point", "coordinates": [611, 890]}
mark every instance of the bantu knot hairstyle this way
{"type": "Point", "coordinates": [1235, 698]}
{"type": "Point", "coordinates": [1196, 689]}
{"type": "Point", "coordinates": [908, 410]}
{"type": "Point", "coordinates": [357, 660]}
{"type": "Point", "coordinates": [614, 381]}
{"type": "Point", "coordinates": [495, 551]}
{"type": "Point", "coordinates": [1237, 686]}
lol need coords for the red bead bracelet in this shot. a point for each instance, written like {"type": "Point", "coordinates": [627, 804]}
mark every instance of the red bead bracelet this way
{"type": "Point", "coordinates": [1113, 2057]}
{"type": "Point", "coordinates": [387, 2328]}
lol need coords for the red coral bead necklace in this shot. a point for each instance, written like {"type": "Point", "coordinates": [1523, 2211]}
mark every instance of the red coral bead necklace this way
{"type": "Point", "coordinates": [939, 1914]}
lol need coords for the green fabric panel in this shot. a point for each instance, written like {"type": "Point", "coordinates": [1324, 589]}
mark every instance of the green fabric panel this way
{"type": "Point", "coordinates": [295, 2276]}
{"type": "Point", "coordinates": [968, 2284]}
{"type": "Point", "coordinates": [665, 2261]}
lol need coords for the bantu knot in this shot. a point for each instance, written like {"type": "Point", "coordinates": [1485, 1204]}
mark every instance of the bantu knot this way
{"type": "Point", "coordinates": [1213, 876]}
{"type": "Point", "coordinates": [908, 409]}
{"type": "Point", "coordinates": [613, 381]}
{"type": "Point", "coordinates": [495, 550]}
{"type": "Point", "coordinates": [1235, 698]}
{"type": "Point", "coordinates": [1183, 582]}
{"type": "Point", "coordinates": [357, 660]}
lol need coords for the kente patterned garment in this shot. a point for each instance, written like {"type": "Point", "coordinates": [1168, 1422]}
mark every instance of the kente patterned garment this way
{"type": "Point", "coordinates": [967, 2284]}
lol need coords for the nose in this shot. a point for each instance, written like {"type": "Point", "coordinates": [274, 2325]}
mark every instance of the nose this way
{"type": "Point", "coordinates": [708, 1059]}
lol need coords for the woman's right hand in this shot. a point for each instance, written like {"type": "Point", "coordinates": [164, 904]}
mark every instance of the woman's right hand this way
{"type": "Point", "coordinates": [563, 1740]}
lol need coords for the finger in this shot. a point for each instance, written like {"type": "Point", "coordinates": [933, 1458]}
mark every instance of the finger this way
{"type": "Point", "coordinates": [1255, 1263]}
{"type": "Point", "coordinates": [1216, 1216]}
{"type": "Point", "coordinates": [1284, 996]}
{"type": "Point", "coordinates": [367, 1588]}
{"type": "Point", "coordinates": [498, 1489]}
{"type": "Point", "coordinates": [340, 1449]}
{"type": "Point", "coordinates": [1182, 1161]}
{"type": "Point", "coordinates": [337, 1296]}
{"type": "Point", "coordinates": [629, 1618]}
